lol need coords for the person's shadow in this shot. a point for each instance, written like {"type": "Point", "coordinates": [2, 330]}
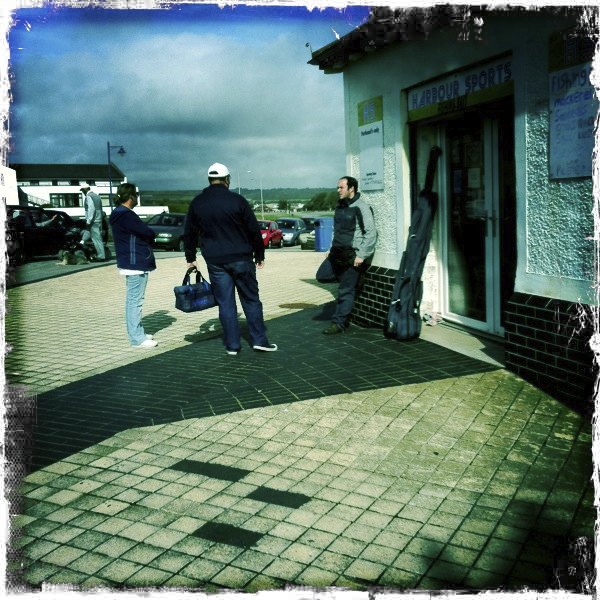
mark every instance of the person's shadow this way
{"type": "Point", "coordinates": [208, 330]}
{"type": "Point", "coordinates": [326, 313]}
{"type": "Point", "coordinates": [156, 321]}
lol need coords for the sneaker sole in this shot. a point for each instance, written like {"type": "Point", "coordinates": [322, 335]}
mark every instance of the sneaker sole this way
{"type": "Point", "coordinates": [265, 349]}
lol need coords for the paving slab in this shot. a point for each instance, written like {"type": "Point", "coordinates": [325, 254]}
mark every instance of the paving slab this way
{"type": "Point", "coordinates": [350, 462]}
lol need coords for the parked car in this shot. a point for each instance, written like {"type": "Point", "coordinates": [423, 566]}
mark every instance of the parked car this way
{"type": "Point", "coordinates": [307, 237]}
{"type": "Point", "coordinates": [68, 221]}
{"type": "Point", "coordinates": [271, 234]}
{"type": "Point", "coordinates": [291, 229]}
{"type": "Point", "coordinates": [307, 240]}
{"type": "Point", "coordinates": [38, 231]}
{"type": "Point", "coordinates": [169, 230]}
{"type": "Point", "coordinates": [310, 223]}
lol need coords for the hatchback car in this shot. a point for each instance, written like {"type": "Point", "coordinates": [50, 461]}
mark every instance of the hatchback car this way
{"type": "Point", "coordinates": [291, 229]}
{"type": "Point", "coordinates": [37, 231]}
{"type": "Point", "coordinates": [169, 229]}
{"type": "Point", "coordinates": [271, 234]}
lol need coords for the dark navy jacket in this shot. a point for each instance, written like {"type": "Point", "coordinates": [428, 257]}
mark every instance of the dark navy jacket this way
{"type": "Point", "coordinates": [133, 240]}
{"type": "Point", "coordinates": [225, 225]}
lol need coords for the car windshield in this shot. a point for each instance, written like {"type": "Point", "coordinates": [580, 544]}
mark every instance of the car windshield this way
{"type": "Point", "coordinates": [166, 220]}
{"type": "Point", "coordinates": [287, 224]}
{"type": "Point", "coordinates": [155, 220]}
{"type": "Point", "coordinates": [263, 224]}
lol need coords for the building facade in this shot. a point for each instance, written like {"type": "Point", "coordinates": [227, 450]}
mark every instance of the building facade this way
{"type": "Point", "coordinates": [59, 185]}
{"type": "Point", "coordinates": [506, 95]}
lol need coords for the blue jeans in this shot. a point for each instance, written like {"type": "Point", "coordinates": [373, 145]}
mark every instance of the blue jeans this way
{"type": "Point", "coordinates": [348, 279]}
{"type": "Point", "coordinates": [225, 280]}
{"type": "Point", "coordinates": [135, 288]}
{"type": "Point", "coordinates": [96, 235]}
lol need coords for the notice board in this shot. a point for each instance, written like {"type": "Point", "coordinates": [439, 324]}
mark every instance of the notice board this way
{"type": "Point", "coordinates": [573, 107]}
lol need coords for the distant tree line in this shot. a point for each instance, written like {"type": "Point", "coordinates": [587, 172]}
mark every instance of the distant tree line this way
{"type": "Point", "coordinates": [178, 201]}
{"type": "Point", "coordinates": [322, 201]}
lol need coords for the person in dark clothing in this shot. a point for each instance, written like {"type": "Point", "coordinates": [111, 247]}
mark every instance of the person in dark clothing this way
{"type": "Point", "coordinates": [232, 246]}
{"type": "Point", "coordinates": [135, 259]}
{"type": "Point", "coordinates": [352, 248]}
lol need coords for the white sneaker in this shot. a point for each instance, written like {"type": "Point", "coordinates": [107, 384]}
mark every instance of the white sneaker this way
{"type": "Point", "coordinates": [149, 336]}
{"type": "Point", "coordinates": [267, 348]}
{"type": "Point", "coordinates": [147, 344]}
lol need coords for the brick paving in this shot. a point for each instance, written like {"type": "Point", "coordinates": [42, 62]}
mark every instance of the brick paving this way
{"type": "Point", "coordinates": [354, 462]}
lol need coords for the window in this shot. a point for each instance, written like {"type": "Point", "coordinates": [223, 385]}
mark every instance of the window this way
{"type": "Point", "coordinates": [62, 200]}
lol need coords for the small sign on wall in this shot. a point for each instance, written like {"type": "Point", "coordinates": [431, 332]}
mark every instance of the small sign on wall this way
{"type": "Point", "coordinates": [370, 133]}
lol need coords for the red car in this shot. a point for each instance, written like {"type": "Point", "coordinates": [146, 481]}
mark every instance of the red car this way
{"type": "Point", "coordinates": [271, 234]}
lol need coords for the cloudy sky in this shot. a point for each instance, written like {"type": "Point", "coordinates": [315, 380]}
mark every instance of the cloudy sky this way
{"type": "Point", "coordinates": [180, 88]}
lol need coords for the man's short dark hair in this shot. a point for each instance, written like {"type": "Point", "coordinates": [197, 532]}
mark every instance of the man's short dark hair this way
{"type": "Point", "coordinates": [352, 183]}
{"type": "Point", "coordinates": [124, 192]}
{"type": "Point", "coordinates": [225, 178]}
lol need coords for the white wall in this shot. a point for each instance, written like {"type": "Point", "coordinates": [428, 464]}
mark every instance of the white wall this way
{"type": "Point", "coordinates": [554, 259]}
{"type": "Point", "coordinates": [8, 186]}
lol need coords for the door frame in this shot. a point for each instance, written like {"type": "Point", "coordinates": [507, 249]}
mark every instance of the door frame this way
{"type": "Point", "coordinates": [492, 167]}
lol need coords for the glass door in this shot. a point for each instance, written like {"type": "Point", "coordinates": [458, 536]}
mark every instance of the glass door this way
{"type": "Point", "coordinates": [467, 210]}
{"type": "Point", "coordinates": [479, 220]}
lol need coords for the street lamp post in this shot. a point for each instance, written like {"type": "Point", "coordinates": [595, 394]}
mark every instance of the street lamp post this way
{"type": "Point", "coordinates": [262, 204]}
{"type": "Point", "coordinates": [120, 151]}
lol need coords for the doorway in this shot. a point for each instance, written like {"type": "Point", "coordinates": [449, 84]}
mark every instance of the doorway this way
{"type": "Point", "coordinates": [476, 216]}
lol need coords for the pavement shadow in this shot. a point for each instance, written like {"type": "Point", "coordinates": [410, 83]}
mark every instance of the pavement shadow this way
{"type": "Point", "coordinates": [156, 321]}
{"type": "Point", "coordinates": [208, 330]}
{"type": "Point", "coordinates": [532, 553]}
{"type": "Point", "coordinates": [326, 312]}
{"type": "Point", "coordinates": [42, 268]}
{"type": "Point", "coordinates": [163, 388]}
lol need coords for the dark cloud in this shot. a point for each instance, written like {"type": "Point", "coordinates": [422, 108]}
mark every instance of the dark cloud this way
{"type": "Point", "coordinates": [179, 98]}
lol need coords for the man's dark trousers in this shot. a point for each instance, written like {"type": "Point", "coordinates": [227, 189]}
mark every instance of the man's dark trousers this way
{"type": "Point", "coordinates": [348, 278]}
{"type": "Point", "coordinates": [224, 280]}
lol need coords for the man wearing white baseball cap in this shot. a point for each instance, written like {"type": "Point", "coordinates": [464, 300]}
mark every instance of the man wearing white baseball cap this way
{"type": "Point", "coordinates": [232, 246]}
{"type": "Point", "coordinates": [93, 218]}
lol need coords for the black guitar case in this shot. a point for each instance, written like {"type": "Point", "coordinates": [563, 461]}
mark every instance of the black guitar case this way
{"type": "Point", "coordinates": [404, 316]}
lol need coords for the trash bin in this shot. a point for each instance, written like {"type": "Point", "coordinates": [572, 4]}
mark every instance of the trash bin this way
{"type": "Point", "coordinates": [323, 233]}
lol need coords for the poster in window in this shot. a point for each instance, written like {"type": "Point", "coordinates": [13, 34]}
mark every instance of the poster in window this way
{"type": "Point", "coordinates": [573, 110]}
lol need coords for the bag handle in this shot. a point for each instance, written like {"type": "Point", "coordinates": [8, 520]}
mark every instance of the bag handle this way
{"type": "Point", "coordinates": [188, 273]}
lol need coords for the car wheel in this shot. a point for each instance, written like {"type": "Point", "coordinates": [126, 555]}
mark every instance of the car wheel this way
{"type": "Point", "coordinates": [181, 245]}
{"type": "Point", "coordinates": [270, 244]}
